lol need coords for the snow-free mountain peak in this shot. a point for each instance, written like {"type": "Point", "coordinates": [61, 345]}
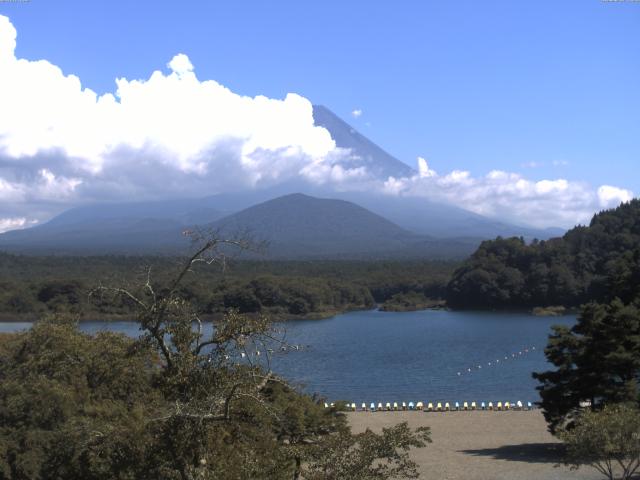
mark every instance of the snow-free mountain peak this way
{"type": "Point", "coordinates": [365, 153]}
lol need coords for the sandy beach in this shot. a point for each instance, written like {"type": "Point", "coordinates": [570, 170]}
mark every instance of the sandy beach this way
{"type": "Point", "coordinates": [481, 445]}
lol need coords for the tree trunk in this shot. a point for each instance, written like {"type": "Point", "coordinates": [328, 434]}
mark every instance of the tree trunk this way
{"type": "Point", "coordinates": [298, 471]}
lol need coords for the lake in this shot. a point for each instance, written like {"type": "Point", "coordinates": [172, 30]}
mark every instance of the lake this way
{"type": "Point", "coordinates": [429, 356]}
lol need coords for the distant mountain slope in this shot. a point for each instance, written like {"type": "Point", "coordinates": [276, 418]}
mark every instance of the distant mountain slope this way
{"type": "Point", "coordinates": [367, 153]}
{"type": "Point", "coordinates": [182, 210]}
{"type": "Point", "coordinates": [109, 236]}
{"type": "Point", "coordinates": [300, 226]}
{"type": "Point", "coordinates": [141, 227]}
{"type": "Point", "coordinates": [422, 216]}
{"type": "Point", "coordinates": [295, 226]}
{"type": "Point", "coordinates": [418, 215]}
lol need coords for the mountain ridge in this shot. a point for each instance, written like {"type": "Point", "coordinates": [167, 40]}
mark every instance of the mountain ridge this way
{"type": "Point", "coordinates": [295, 226]}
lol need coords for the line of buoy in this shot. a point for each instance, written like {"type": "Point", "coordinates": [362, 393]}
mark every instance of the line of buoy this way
{"type": "Point", "coordinates": [497, 361]}
{"type": "Point", "coordinates": [438, 407]}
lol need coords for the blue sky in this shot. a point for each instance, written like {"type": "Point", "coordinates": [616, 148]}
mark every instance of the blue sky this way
{"type": "Point", "coordinates": [543, 89]}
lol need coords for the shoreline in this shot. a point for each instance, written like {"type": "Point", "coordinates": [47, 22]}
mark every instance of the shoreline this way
{"type": "Point", "coordinates": [275, 317]}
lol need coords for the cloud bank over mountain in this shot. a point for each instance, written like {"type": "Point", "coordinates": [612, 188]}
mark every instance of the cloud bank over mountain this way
{"type": "Point", "coordinates": [510, 196]}
{"type": "Point", "coordinates": [176, 135]}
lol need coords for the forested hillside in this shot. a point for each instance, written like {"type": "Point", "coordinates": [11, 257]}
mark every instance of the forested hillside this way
{"type": "Point", "coordinates": [589, 263]}
{"type": "Point", "coordinates": [31, 286]}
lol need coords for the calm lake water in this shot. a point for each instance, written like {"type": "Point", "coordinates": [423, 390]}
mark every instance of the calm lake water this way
{"type": "Point", "coordinates": [374, 356]}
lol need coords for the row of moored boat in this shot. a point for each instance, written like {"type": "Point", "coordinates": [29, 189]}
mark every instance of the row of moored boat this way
{"type": "Point", "coordinates": [437, 407]}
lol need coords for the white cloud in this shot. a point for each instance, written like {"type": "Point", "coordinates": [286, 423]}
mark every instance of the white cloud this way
{"type": "Point", "coordinates": [509, 196]}
{"type": "Point", "coordinates": [180, 64]}
{"type": "Point", "coordinates": [532, 165]}
{"type": "Point", "coordinates": [612, 196]}
{"type": "Point", "coordinates": [7, 224]}
{"type": "Point", "coordinates": [176, 135]}
{"type": "Point", "coordinates": [180, 120]}
{"type": "Point", "coordinates": [423, 169]}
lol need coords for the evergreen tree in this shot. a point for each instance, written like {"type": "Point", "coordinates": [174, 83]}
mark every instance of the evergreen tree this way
{"type": "Point", "coordinates": [597, 361]}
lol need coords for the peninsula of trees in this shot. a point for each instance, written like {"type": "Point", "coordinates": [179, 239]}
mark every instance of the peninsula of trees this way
{"type": "Point", "coordinates": [598, 262]}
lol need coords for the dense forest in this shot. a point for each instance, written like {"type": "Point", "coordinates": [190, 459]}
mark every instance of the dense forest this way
{"type": "Point", "coordinates": [31, 286]}
{"type": "Point", "coordinates": [589, 263]}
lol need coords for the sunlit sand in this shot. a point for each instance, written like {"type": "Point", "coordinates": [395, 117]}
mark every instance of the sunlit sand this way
{"type": "Point", "coordinates": [478, 445]}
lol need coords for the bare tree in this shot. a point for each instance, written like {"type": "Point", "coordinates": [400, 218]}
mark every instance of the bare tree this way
{"type": "Point", "coordinates": [218, 384]}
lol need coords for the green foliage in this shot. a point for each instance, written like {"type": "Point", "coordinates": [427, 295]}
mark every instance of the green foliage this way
{"type": "Point", "coordinates": [597, 360]}
{"type": "Point", "coordinates": [173, 404]}
{"type": "Point", "coordinates": [32, 286]}
{"type": "Point", "coordinates": [608, 440]}
{"type": "Point", "coordinates": [68, 401]}
{"type": "Point", "coordinates": [403, 302]}
{"type": "Point", "coordinates": [368, 456]}
{"type": "Point", "coordinates": [595, 263]}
